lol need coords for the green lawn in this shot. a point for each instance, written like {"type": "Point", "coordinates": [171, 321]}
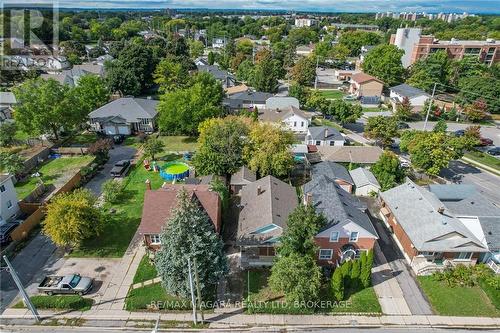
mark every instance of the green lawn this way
{"type": "Point", "coordinates": [53, 172]}
{"type": "Point", "coordinates": [83, 139]}
{"type": "Point", "coordinates": [143, 298]}
{"type": "Point", "coordinates": [457, 301]}
{"type": "Point", "coordinates": [145, 271]}
{"type": "Point", "coordinates": [484, 158]}
{"type": "Point", "coordinates": [179, 143]}
{"type": "Point", "coordinates": [331, 94]}
{"type": "Point", "coordinates": [262, 299]}
{"type": "Point", "coordinates": [493, 294]}
{"type": "Point", "coordinates": [123, 223]}
{"type": "Point", "coordinates": [374, 110]}
{"type": "Point", "coordinates": [59, 302]}
{"type": "Point", "coordinates": [326, 122]}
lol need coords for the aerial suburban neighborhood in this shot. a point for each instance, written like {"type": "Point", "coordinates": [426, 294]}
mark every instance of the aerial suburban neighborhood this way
{"type": "Point", "coordinates": [199, 167]}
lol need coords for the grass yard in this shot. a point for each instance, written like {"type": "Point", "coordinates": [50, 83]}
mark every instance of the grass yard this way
{"type": "Point", "coordinates": [457, 301]}
{"type": "Point", "coordinates": [82, 139]}
{"type": "Point", "coordinates": [143, 298]}
{"type": "Point", "coordinates": [68, 302]}
{"type": "Point", "coordinates": [53, 172]}
{"type": "Point", "coordinates": [123, 223]}
{"type": "Point", "coordinates": [179, 143]}
{"type": "Point", "coordinates": [484, 158]}
{"type": "Point", "coordinates": [326, 122]}
{"type": "Point", "coordinates": [146, 271]}
{"type": "Point", "coordinates": [493, 294]}
{"type": "Point", "coordinates": [331, 94]}
{"type": "Point", "coordinates": [261, 299]}
{"type": "Point", "coordinates": [374, 110]}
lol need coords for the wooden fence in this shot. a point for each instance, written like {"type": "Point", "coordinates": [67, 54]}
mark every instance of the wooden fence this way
{"type": "Point", "coordinates": [24, 228]}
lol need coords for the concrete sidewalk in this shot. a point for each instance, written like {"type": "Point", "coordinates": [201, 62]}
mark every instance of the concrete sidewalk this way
{"type": "Point", "coordinates": [236, 318]}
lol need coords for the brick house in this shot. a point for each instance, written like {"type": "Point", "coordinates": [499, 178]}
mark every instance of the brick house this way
{"type": "Point", "coordinates": [364, 85]}
{"type": "Point", "coordinates": [158, 206]}
{"type": "Point", "coordinates": [428, 233]}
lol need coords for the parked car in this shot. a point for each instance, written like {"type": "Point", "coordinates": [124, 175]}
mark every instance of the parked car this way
{"type": "Point", "coordinates": [120, 169]}
{"type": "Point", "coordinates": [494, 151]}
{"type": "Point", "coordinates": [5, 231]}
{"type": "Point", "coordinates": [403, 125]}
{"type": "Point", "coordinates": [118, 138]}
{"type": "Point", "coordinates": [459, 133]}
{"type": "Point", "coordinates": [66, 284]}
{"type": "Point", "coordinates": [485, 142]}
{"type": "Point", "coordinates": [349, 98]}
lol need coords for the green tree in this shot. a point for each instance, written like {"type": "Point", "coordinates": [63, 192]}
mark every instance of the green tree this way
{"type": "Point", "coordinates": [170, 74]}
{"type": "Point", "coordinates": [217, 185]}
{"type": "Point", "coordinates": [90, 94]}
{"type": "Point", "coordinates": [181, 111]}
{"type": "Point", "coordinates": [338, 284]}
{"type": "Point", "coordinates": [72, 218]}
{"type": "Point", "coordinates": [304, 71]}
{"type": "Point", "coordinates": [211, 58]}
{"type": "Point", "coordinates": [221, 143]}
{"type": "Point", "coordinates": [382, 129]}
{"type": "Point", "coordinates": [121, 79]}
{"type": "Point", "coordinates": [404, 110]}
{"type": "Point", "coordinates": [153, 146]}
{"type": "Point", "coordinates": [340, 52]}
{"type": "Point", "coordinates": [297, 276]}
{"type": "Point", "coordinates": [384, 63]}
{"type": "Point", "coordinates": [355, 277]}
{"type": "Point", "coordinates": [366, 270]}
{"type": "Point", "coordinates": [303, 35]}
{"type": "Point", "coordinates": [317, 102]}
{"type": "Point", "coordinates": [430, 70]}
{"type": "Point", "coordinates": [245, 70]}
{"type": "Point", "coordinates": [265, 73]}
{"type": "Point", "coordinates": [267, 151]}
{"type": "Point", "coordinates": [345, 112]}
{"type": "Point", "coordinates": [476, 111]}
{"type": "Point", "coordinates": [440, 126]}
{"type": "Point", "coordinates": [300, 92]}
{"type": "Point", "coordinates": [388, 170]}
{"type": "Point", "coordinates": [472, 87]}
{"type": "Point", "coordinates": [195, 48]}
{"type": "Point", "coordinates": [354, 40]}
{"type": "Point", "coordinates": [11, 163]}
{"type": "Point", "coordinates": [189, 234]}
{"type": "Point", "coordinates": [302, 225]}
{"type": "Point", "coordinates": [112, 190]}
{"type": "Point", "coordinates": [7, 133]}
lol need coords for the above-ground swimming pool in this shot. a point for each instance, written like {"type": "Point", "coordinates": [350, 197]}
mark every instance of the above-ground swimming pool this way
{"type": "Point", "coordinates": [174, 170]}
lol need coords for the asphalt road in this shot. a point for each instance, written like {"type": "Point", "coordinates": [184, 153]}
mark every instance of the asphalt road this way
{"type": "Point", "coordinates": [486, 183]}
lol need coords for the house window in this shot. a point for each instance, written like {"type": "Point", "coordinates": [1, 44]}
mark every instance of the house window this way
{"type": "Point", "coordinates": [332, 143]}
{"type": "Point", "coordinates": [463, 256]}
{"type": "Point", "coordinates": [294, 124]}
{"type": "Point", "coordinates": [145, 121]}
{"type": "Point", "coordinates": [354, 236]}
{"type": "Point", "coordinates": [9, 204]}
{"type": "Point", "coordinates": [325, 254]}
{"type": "Point", "coordinates": [301, 124]}
{"type": "Point", "coordinates": [2, 188]}
{"type": "Point", "coordinates": [318, 143]}
{"type": "Point", "coordinates": [334, 236]}
{"type": "Point", "coordinates": [155, 239]}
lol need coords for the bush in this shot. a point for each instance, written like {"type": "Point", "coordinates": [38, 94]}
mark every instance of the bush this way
{"type": "Point", "coordinates": [366, 269]}
{"type": "Point", "coordinates": [112, 190]}
{"type": "Point", "coordinates": [463, 276]}
{"type": "Point", "coordinates": [338, 284]}
{"type": "Point", "coordinates": [70, 302]}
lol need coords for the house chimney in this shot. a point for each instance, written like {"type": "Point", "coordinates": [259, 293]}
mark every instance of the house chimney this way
{"type": "Point", "coordinates": [148, 184]}
{"type": "Point", "coordinates": [441, 210]}
{"type": "Point", "coordinates": [259, 190]}
{"type": "Point", "coordinates": [326, 133]}
{"type": "Point", "coordinates": [308, 199]}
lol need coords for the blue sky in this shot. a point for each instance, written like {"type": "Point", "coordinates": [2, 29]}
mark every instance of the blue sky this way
{"type": "Point", "coordinates": [471, 6]}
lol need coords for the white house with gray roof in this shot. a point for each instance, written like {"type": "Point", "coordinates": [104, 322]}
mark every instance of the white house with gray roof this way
{"type": "Point", "coordinates": [324, 136]}
{"type": "Point", "coordinates": [292, 118]}
{"type": "Point", "coordinates": [8, 199]}
{"type": "Point", "coordinates": [282, 103]}
{"type": "Point", "coordinates": [364, 181]}
{"type": "Point", "coordinates": [430, 235]}
{"type": "Point", "coordinates": [416, 96]}
{"type": "Point", "coordinates": [125, 115]}
{"type": "Point", "coordinates": [477, 213]}
{"type": "Point", "coordinates": [7, 102]}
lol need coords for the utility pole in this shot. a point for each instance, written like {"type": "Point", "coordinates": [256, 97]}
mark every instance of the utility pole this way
{"type": "Point", "coordinates": [195, 320]}
{"type": "Point", "coordinates": [316, 72]}
{"type": "Point", "coordinates": [198, 290]}
{"type": "Point", "coordinates": [430, 106]}
{"type": "Point", "coordinates": [19, 285]}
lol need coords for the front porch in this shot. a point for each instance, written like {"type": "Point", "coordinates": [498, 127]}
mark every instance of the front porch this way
{"type": "Point", "coordinates": [436, 262]}
{"type": "Point", "coordinates": [251, 257]}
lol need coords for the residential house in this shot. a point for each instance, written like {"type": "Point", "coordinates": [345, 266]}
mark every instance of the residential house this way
{"type": "Point", "coordinates": [366, 86]}
{"type": "Point", "coordinates": [417, 97]}
{"type": "Point", "coordinates": [348, 231]}
{"type": "Point", "coordinates": [219, 42]}
{"type": "Point", "coordinates": [7, 102]}
{"type": "Point", "coordinates": [364, 51]}
{"type": "Point", "coordinates": [342, 75]}
{"type": "Point", "coordinates": [70, 77]}
{"type": "Point", "coordinates": [246, 100]}
{"type": "Point", "coordinates": [227, 79]}
{"type": "Point", "coordinates": [334, 171]}
{"type": "Point", "coordinates": [39, 62]}
{"type": "Point", "coordinates": [430, 236]}
{"type": "Point", "coordinates": [282, 102]}
{"type": "Point", "coordinates": [264, 208]}
{"type": "Point", "coordinates": [242, 178]}
{"type": "Point", "coordinates": [158, 206]}
{"type": "Point", "coordinates": [125, 115]}
{"type": "Point", "coordinates": [305, 22]}
{"type": "Point", "coordinates": [291, 118]}
{"type": "Point", "coordinates": [201, 61]}
{"type": "Point", "coordinates": [350, 154]}
{"type": "Point", "coordinates": [365, 182]}
{"type": "Point", "coordinates": [236, 89]}
{"type": "Point", "coordinates": [324, 136]}
{"type": "Point", "coordinates": [477, 213]}
{"type": "Point", "coordinates": [304, 50]}
{"type": "Point", "coordinates": [8, 199]}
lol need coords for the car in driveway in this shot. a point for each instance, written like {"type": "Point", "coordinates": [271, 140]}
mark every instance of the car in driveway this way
{"type": "Point", "coordinates": [485, 142]}
{"type": "Point", "coordinates": [66, 284]}
{"type": "Point", "coordinates": [120, 169]}
{"type": "Point", "coordinates": [459, 133]}
{"type": "Point", "coordinates": [494, 151]}
{"type": "Point", "coordinates": [5, 231]}
{"type": "Point", "coordinates": [403, 125]}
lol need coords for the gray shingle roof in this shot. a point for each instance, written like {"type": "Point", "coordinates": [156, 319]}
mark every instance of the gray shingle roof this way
{"type": "Point", "coordinates": [278, 115]}
{"type": "Point", "coordinates": [243, 176]}
{"type": "Point", "coordinates": [272, 206]}
{"type": "Point", "coordinates": [362, 177]}
{"type": "Point", "coordinates": [332, 170]}
{"type": "Point", "coordinates": [408, 91]}
{"type": "Point", "coordinates": [324, 133]}
{"type": "Point", "coordinates": [257, 97]}
{"type": "Point", "coordinates": [452, 192]}
{"type": "Point", "coordinates": [7, 97]}
{"type": "Point", "coordinates": [129, 108]}
{"type": "Point", "coordinates": [354, 154]}
{"type": "Point", "coordinates": [336, 204]}
{"type": "Point", "coordinates": [282, 102]}
{"type": "Point", "coordinates": [416, 210]}
{"type": "Point", "coordinates": [215, 71]}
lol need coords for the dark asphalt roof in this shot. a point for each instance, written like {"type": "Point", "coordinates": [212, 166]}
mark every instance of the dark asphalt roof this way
{"type": "Point", "coordinates": [408, 91]}
{"type": "Point", "coordinates": [331, 170]}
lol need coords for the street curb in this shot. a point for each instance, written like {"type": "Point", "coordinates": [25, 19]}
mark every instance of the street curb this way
{"type": "Point", "coordinates": [481, 166]}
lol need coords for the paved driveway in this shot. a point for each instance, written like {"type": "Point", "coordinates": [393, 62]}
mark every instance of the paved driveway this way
{"type": "Point", "coordinates": [118, 153]}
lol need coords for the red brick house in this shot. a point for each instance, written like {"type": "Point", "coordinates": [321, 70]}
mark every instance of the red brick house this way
{"type": "Point", "coordinates": [158, 206]}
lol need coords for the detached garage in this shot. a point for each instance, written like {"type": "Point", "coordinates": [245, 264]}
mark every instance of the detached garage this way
{"type": "Point", "coordinates": [365, 182]}
{"type": "Point", "coordinates": [125, 116]}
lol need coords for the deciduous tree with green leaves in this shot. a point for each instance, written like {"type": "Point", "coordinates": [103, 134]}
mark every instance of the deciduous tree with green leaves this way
{"type": "Point", "coordinates": [189, 234]}
{"type": "Point", "coordinates": [304, 71]}
{"type": "Point", "coordinates": [170, 74]}
{"type": "Point", "coordinates": [72, 218]}
{"type": "Point", "coordinates": [7, 133]}
{"type": "Point", "coordinates": [388, 170]}
{"type": "Point", "coordinates": [153, 146]}
{"type": "Point", "coordinates": [404, 110]}
{"type": "Point", "coordinates": [384, 63]}
{"type": "Point", "coordinates": [345, 112]}
{"type": "Point", "coordinates": [11, 163]}
{"type": "Point", "coordinates": [382, 129]}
